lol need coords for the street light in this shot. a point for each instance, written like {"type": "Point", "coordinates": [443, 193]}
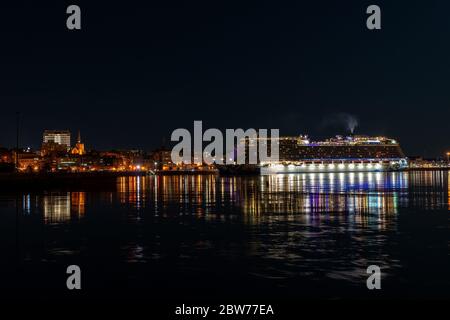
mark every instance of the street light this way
{"type": "Point", "coordinates": [16, 160]}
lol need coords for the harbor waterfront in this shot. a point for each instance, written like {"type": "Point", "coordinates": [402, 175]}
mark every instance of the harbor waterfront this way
{"type": "Point", "coordinates": [304, 220]}
{"type": "Point", "coordinates": [353, 153]}
{"type": "Point", "coordinates": [284, 236]}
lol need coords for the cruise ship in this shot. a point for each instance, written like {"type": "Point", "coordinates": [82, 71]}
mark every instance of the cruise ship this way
{"type": "Point", "coordinates": [339, 154]}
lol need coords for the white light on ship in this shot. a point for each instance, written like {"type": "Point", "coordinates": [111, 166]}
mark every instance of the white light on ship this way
{"type": "Point", "coordinates": [341, 166]}
{"type": "Point", "coordinates": [321, 166]}
{"type": "Point", "coordinates": [331, 166]}
{"type": "Point", "coordinates": [291, 167]}
{"type": "Point", "coordinates": [360, 166]}
{"type": "Point", "coordinates": [278, 167]}
{"type": "Point", "coordinates": [351, 166]}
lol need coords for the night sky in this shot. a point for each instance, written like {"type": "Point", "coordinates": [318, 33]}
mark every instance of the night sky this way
{"type": "Point", "coordinates": [138, 70]}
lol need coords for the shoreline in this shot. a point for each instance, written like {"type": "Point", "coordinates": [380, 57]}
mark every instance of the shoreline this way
{"type": "Point", "coordinates": [61, 179]}
{"type": "Point", "coordinates": [108, 180]}
{"type": "Point", "coordinates": [13, 176]}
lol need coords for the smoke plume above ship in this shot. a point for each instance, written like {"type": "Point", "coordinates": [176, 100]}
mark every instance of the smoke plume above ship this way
{"type": "Point", "coordinates": [341, 120]}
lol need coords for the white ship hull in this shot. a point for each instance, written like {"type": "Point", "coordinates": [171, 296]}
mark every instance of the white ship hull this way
{"type": "Point", "coordinates": [334, 166]}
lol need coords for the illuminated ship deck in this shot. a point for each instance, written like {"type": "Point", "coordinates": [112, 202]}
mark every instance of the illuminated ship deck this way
{"type": "Point", "coordinates": [340, 154]}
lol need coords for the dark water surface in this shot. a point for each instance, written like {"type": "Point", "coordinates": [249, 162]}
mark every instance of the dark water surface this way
{"type": "Point", "coordinates": [207, 237]}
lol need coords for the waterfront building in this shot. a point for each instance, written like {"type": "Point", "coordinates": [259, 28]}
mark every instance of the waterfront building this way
{"type": "Point", "coordinates": [28, 161]}
{"type": "Point", "coordinates": [5, 155]}
{"type": "Point", "coordinates": [162, 159]}
{"type": "Point", "coordinates": [61, 137]}
{"type": "Point", "coordinates": [78, 149]}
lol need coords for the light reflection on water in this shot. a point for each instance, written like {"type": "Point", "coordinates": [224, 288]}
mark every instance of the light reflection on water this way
{"type": "Point", "coordinates": [361, 194]}
{"type": "Point", "coordinates": [313, 225]}
{"type": "Point", "coordinates": [310, 193]}
{"type": "Point", "coordinates": [57, 207]}
{"type": "Point", "coordinates": [296, 229]}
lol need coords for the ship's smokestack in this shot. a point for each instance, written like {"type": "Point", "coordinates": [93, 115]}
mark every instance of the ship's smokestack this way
{"type": "Point", "coordinates": [352, 123]}
{"type": "Point", "coordinates": [345, 120]}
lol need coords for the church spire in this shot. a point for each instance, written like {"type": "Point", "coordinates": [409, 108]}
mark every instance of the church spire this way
{"type": "Point", "coordinates": [79, 147]}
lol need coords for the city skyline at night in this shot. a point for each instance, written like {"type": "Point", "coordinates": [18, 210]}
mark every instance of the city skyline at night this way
{"type": "Point", "coordinates": [223, 158]}
{"type": "Point", "coordinates": [65, 135]}
{"type": "Point", "coordinates": [133, 74]}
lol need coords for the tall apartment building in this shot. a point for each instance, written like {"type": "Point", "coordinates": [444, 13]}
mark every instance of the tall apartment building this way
{"type": "Point", "coordinates": [59, 137]}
